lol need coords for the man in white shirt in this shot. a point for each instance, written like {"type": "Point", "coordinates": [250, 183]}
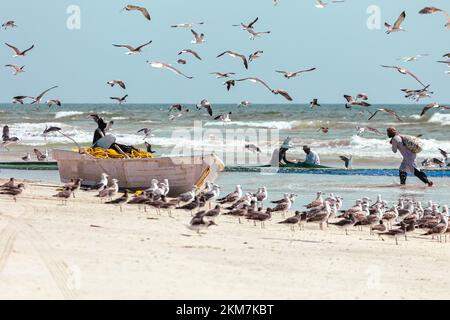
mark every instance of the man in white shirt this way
{"type": "Point", "coordinates": [312, 158]}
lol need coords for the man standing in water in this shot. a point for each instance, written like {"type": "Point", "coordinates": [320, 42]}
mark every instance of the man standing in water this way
{"type": "Point", "coordinates": [408, 164]}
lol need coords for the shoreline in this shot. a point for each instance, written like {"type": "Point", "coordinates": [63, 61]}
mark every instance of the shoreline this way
{"type": "Point", "coordinates": [89, 250]}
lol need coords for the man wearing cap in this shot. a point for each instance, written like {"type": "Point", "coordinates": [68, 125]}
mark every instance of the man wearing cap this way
{"type": "Point", "coordinates": [312, 158]}
{"type": "Point", "coordinates": [408, 164]}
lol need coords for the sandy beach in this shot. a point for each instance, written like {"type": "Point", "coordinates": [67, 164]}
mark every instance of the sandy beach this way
{"type": "Point", "coordinates": [89, 250]}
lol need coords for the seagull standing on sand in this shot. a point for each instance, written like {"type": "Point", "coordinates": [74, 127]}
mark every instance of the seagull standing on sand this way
{"type": "Point", "coordinates": [26, 157]}
{"type": "Point", "coordinates": [19, 53]}
{"type": "Point", "coordinates": [132, 50]}
{"type": "Point", "coordinates": [39, 155]}
{"type": "Point", "coordinates": [160, 65]}
{"type": "Point", "coordinates": [16, 69]}
{"type": "Point", "coordinates": [235, 55]}
{"type": "Point", "coordinates": [120, 83]}
{"type": "Point", "coordinates": [142, 10]}
{"type": "Point", "coordinates": [397, 24]}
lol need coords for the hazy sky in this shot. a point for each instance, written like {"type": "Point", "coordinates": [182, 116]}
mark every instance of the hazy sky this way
{"type": "Point", "coordinates": [336, 40]}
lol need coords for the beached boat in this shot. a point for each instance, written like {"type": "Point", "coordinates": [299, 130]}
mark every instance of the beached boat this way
{"type": "Point", "coordinates": [182, 172]}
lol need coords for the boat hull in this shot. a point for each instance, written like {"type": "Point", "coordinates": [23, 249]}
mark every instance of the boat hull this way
{"type": "Point", "coordinates": [182, 172]}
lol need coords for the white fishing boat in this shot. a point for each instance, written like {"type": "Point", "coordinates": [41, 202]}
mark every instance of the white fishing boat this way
{"type": "Point", "coordinates": [182, 172]}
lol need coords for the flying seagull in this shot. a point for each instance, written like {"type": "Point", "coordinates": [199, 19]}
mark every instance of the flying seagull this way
{"type": "Point", "coordinates": [206, 105]}
{"type": "Point", "coordinates": [288, 74]}
{"type": "Point", "coordinates": [120, 99]}
{"type": "Point", "coordinates": [223, 74]}
{"type": "Point", "coordinates": [120, 83]}
{"type": "Point", "coordinates": [283, 93]}
{"type": "Point", "coordinates": [195, 54]}
{"type": "Point", "coordinates": [229, 84]}
{"type": "Point", "coordinates": [7, 140]}
{"type": "Point", "coordinates": [38, 99]}
{"type": "Point", "coordinates": [388, 111]}
{"type": "Point", "coordinates": [16, 69]}
{"type": "Point", "coordinates": [147, 132]}
{"type": "Point", "coordinates": [254, 55]}
{"type": "Point", "coordinates": [321, 4]}
{"type": "Point", "coordinates": [132, 50]}
{"type": "Point", "coordinates": [254, 34]}
{"type": "Point", "coordinates": [160, 65]}
{"type": "Point", "coordinates": [185, 25]}
{"type": "Point", "coordinates": [198, 38]}
{"type": "Point", "coordinates": [19, 53]}
{"type": "Point", "coordinates": [247, 26]}
{"type": "Point", "coordinates": [347, 161]}
{"type": "Point", "coordinates": [314, 103]}
{"type": "Point", "coordinates": [9, 24]}
{"type": "Point", "coordinates": [256, 80]}
{"type": "Point", "coordinates": [235, 55]}
{"type": "Point", "coordinates": [430, 10]}
{"type": "Point", "coordinates": [433, 105]}
{"type": "Point", "coordinates": [413, 58]}
{"type": "Point", "coordinates": [406, 72]}
{"type": "Point", "coordinates": [356, 102]}
{"type": "Point", "coordinates": [397, 24]}
{"type": "Point", "coordinates": [54, 102]}
{"type": "Point", "coordinates": [143, 10]}
{"type": "Point", "coordinates": [19, 99]}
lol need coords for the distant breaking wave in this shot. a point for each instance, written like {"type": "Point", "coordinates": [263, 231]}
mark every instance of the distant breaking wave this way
{"type": "Point", "coordinates": [64, 114]}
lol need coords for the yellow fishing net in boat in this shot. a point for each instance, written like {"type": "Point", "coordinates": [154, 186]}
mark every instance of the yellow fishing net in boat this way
{"type": "Point", "coordinates": [101, 153]}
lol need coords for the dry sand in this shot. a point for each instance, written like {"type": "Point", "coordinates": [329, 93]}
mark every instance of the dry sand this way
{"type": "Point", "coordinates": [89, 250]}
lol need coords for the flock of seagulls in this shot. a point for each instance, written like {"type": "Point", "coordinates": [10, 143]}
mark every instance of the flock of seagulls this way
{"type": "Point", "coordinates": [396, 221]}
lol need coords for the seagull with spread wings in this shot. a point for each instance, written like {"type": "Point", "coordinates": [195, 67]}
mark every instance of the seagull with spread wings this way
{"type": "Point", "coordinates": [282, 93]}
{"type": "Point", "coordinates": [142, 10]}
{"type": "Point", "coordinates": [161, 65]}
{"type": "Point", "coordinates": [247, 26]}
{"type": "Point", "coordinates": [406, 72]}
{"type": "Point", "coordinates": [235, 55]}
{"type": "Point", "coordinates": [19, 53]}
{"type": "Point", "coordinates": [9, 24]}
{"type": "Point", "coordinates": [37, 100]}
{"type": "Point", "coordinates": [195, 54]}
{"type": "Point", "coordinates": [186, 25]}
{"type": "Point", "coordinates": [7, 140]}
{"type": "Point", "coordinates": [397, 24]}
{"type": "Point", "coordinates": [289, 74]}
{"type": "Point", "coordinates": [220, 75]}
{"type": "Point", "coordinates": [388, 111]}
{"type": "Point", "coordinates": [198, 38]}
{"type": "Point", "coordinates": [255, 55]}
{"type": "Point", "coordinates": [433, 105]}
{"type": "Point", "coordinates": [206, 105]}
{"type": "Point", "coordinates": [132, 50]}
{"type": "Point", "coordinates": [120, 99]}
{"type": "Point", "coordinates": [120, 83]}
{"type": "Point", "coordinates": [16, 69]}
{"type": "Point", "coordinates": [359, 101]}
{"type": "Point", "coordinates": [256, 80]}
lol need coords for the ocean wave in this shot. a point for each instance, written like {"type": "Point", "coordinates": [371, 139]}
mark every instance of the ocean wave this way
{"type": "Point", "coordinates": [64, 114]}
{"type": "Point", "coordinates": [280, 125]}
{"type": "Point", "coordinates": [439, 118]}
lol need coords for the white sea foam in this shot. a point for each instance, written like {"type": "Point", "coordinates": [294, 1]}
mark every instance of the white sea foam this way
{"type": "Point", "coordinates": [280, 125]}
{"type": "Point", "coordinates": [64, 114]}
{"type": "Point", "coordinates": [439, 118]}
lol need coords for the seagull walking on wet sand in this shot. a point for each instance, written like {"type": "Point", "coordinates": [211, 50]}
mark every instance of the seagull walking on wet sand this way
{"type": "Point", "coordinates": [397, 24]}
{"type": "Point", "coordinates": [120, 100]}
{"type": "Point", "coordinates": [19, 53]}
{"type": "Point", "coordinates": [120, 83]}
{"type": "Point", "coordinates": [121, 200]}
{"type": "Point", "coordinates": [109, 192]}
{"type": "Point", "coordinates": [132, 50]}
{"type": "Point", "coordinates": [142, 10]}
{"type": "Point", "coordinates": [16, 69]}
{"type": "Point", "coordinates": [199, 223]}
{"type": "Point", "coordinates": [235, 55]}
{"type": "Point", "coordinates": [161, 65]}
